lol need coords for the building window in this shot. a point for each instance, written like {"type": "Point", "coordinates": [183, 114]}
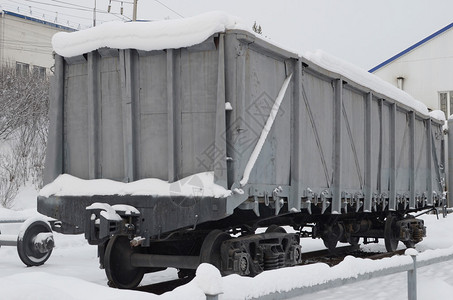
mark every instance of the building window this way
{"type": "Point", "coordinates": [22, 68]}
{"type": "Point", "coordinates": [446, 102]}
{"type": "Point", "coordinates": [39, 71]}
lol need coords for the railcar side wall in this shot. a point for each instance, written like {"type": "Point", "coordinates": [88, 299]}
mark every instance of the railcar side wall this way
{"type": "Point", "coordinates": [128, 115]}
{"type": "Point", "coordinates": [361, 147]}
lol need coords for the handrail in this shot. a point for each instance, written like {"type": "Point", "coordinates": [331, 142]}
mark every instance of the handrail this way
{"type": "Point", "coordinates": [409, 266]}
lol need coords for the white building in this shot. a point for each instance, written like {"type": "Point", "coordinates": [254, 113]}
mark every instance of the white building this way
{"type": "Point", "coordinates": [26, 42]}
{"type": "Point", "coordinates": [424, 70]}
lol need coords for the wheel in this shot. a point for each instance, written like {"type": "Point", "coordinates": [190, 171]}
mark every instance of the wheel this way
{"type": "Point", "coordinates": [390, 234]}
{"type": "Point", "coordinates": [210, 249]}
{"type": "Point", "coordinates": [35, 243]}
{"type": "Point", "coordinates": [332, 234]}
{"type": "Point", "coordinates": [275, 228]}
{"type": "Point", "coordinates": [117, 262]}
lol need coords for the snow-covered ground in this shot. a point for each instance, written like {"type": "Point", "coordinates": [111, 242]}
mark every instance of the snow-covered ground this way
{"type": "Point", "coordinates": [72, 271]}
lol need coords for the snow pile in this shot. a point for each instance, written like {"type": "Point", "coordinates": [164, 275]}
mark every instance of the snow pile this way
{"type": "Point", "coordinates": [437, 114]}
{"type": "Point", "coordinates": [147, 36]}
{"type": "Point", "coordinates": [365, 78]}
{"type": "Point", "coordinates": [411, 252]}
{"type": "Point", "coordinates": [282, 280]}
{"type": "Point", "coordinates": [208, 279]}
{"type": "Point", "coordinates": [45, 286]}
{"type": "Point", "coordinates": [201, 184]}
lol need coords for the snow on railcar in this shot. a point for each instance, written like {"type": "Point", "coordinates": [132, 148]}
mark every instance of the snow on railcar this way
{"type": "Point", "coordinates": [169, 137]}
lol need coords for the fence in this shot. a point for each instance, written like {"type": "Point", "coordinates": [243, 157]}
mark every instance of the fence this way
{"type": "Point", "coordinates": [410, 268]}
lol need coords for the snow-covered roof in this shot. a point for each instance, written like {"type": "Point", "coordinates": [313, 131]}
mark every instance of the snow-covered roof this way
{"type": "Point", "coordinates": [416, 45]}
{"type": "Point", "coordinates": [147, 36]}
{"type": "Point", "coordinates": [179, 33]}
{"type": "Point", "coordinates": [369, 80]}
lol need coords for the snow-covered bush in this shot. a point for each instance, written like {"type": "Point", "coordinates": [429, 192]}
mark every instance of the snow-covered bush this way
{"type": "Point", "coordinates": [24, 105]}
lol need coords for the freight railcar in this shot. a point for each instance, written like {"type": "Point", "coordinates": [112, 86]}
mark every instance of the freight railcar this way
{"type": "Point", "coordinates": [172, 142]}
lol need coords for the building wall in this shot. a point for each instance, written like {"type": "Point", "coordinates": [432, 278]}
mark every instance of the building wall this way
{"type": "Point", "coordinates": [427, 70]}
{"type": "Point", "coordinates": [26, 40]}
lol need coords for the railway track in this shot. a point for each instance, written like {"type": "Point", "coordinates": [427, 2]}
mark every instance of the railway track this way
{"type": "Point", "coordinates": [320, 256]}
{"type": "Point", "coordinates": [163, 287]}
{"type": "Point", "coordinates": [326, 257]}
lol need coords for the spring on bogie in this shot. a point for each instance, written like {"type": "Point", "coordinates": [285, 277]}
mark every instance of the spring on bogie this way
{"type": "Point", "coordinates": [274, 258]}
{"type": "Point", "coordinates": [417, 233]}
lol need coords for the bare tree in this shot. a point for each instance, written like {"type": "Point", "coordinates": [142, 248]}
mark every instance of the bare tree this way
{"type": "Point", "coordinates": [24, 107]}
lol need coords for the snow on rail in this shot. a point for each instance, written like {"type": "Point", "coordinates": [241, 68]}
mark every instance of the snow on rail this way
{"type": "Point", "coordinates": [201, 184]}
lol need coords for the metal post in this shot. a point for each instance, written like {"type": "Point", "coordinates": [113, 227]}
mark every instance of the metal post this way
{"type": "Point", "coordinates": [212, 297]}
{"type": "Point", "coordinates": [296, 141]}
{"type": "Point", "coordinates": [392, 175]}
{"type": "Point", "coordinates": [94, 14]}
{"type": "Point", "coordinates": [450, 162]}
{"type": "Point", "coordinates": [94, 116]}
{"type": "Point", "coordinates": [171, 119]}
{"type": "Point", "coordinates": [337, 146]}
{"type": "Point", "coordinates": [412, 280]}
{"type": "Point", "coordinates": [412, 166]}
{"type": "Point", "coordinates": [429, 162]}
{"type": "Point", "coordinates": [368, 154]}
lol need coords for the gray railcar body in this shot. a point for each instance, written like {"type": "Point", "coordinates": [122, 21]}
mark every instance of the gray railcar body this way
{"type": "Point", "coordinates": [336, 149]}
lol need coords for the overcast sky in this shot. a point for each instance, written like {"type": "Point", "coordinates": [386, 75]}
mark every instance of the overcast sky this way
{"type": "Point", "coordinates": [364, 32]}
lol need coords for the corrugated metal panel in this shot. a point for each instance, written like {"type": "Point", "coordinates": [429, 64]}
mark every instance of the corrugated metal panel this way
{"type": "Point", "coordinates": [135, 114]}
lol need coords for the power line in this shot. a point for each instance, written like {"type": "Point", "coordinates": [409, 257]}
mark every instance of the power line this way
{"type": "Point", "coordinates": [50, 17]}
{"type": "Point", "coordinates": [90, 9]}
{"type": "Point", "coordinates": [62, 6]}
{"type": "Point", "coordinates": [48, 12]}
{"type": "Point", "coordinates": [169, 8]}
{"type": "Point", "coordinates": [68, 3]}
{"type": "Point", "coordinates": [122, 1]}
{"type": "Point", "coordinates": [81, 8]}
{"type": "Point", "coordinates": [77, 7]}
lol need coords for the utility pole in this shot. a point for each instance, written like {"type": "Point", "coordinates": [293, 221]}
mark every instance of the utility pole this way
{"type": "Point", "coordinates": [94, 14]}
{"type": "Point", "coordinates": [134, 10]}
{"type": "Point", "coordinates": [134, 14]}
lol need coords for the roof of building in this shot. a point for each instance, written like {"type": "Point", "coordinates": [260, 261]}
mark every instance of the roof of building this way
{"type": "Point", "coordinates": [428, 38]}
{"type": "Point", "coordinates": [10, 13]}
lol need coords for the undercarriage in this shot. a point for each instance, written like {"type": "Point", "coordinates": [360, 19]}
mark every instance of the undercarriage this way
{"type": "Point", "coordinates": [127, 253]}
